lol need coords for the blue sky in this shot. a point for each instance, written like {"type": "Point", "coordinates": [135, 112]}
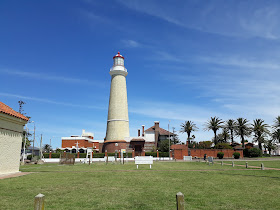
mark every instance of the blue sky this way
{"type": "Point", "coordinates": [186, 60]}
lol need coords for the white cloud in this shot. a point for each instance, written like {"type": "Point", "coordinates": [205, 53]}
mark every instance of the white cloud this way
{"type": "Point", "coordinates": [44, 100]}
{"type": "Point", "coordinates": [131, 43]}
{"type": "Point", "coordinates": [229, 18]}
{"type": "Point", "coordinates": [41, 76]}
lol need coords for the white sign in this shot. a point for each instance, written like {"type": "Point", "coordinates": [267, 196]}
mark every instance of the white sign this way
{"type": "Point", "coordinates": [144, 160]}
{"type": "Point", "coordinates": [189, 158]}
{"type": "Point", "coordinates": [123, 150]}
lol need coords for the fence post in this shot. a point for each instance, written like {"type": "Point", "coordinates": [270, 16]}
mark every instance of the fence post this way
{"type": "Point", "coordinates": [222, 163]}
{"type": "Point", "coordinates": [232, 164]}
{"type": "Point", "coordinates": [39, 203]}
{"type": "Point", "coordinates": [262, 166]}
{"type": "Point", "coordinates": [246, 164]}
{"type": "Point", "coordinates": [180, 201]}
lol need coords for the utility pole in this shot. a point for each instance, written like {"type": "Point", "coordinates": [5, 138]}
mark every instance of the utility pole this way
{"type": "Point", "coordinates": [169, 139]}
{"type": "Point", "coordinates": [33, 140]}
{"type": "Point", "coordinates": [41, 154]}
{"type": "Point", "coordinates": [25, 136]}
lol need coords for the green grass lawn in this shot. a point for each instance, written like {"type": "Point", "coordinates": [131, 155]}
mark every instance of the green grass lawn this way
{"type": "Point", "coordinates": [116, 186]}
{"type": "Point", "coordinates": [268, 164]}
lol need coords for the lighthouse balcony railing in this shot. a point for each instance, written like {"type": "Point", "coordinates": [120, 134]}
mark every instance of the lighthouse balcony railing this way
{"type": "Point", "coordinates": [121, 69]}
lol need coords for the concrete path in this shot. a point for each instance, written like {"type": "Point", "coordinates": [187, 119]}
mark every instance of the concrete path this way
{"type": "Point", "coordinates": [17, 174]}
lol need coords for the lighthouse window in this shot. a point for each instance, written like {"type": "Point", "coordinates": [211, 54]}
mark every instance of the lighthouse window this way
{"type": "Point", "coordinates": [119, 61]}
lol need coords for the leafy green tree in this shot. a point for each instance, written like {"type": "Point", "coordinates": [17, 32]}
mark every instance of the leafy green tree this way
{"type": "Point", "coordinates": [175, 139]}
{"type": "Point", "coordinates": [205, 144]}
{"type": "Point", "coordinates": [260, 131]}
{"type": "Point", "coordinates": [188, 127]}
{"type": "Point", "coordinates": [164, 145]}
{"type": "Point", "coordinates": [222, 146]}
{"type": "Point", "coordinates": [243, 129]}
{"type": "Point", "coordinates": [214, 124]}
{"type": "Point", "coordinates": [231, 126]}
{"type": "Point", "coordinates": [47, 148]}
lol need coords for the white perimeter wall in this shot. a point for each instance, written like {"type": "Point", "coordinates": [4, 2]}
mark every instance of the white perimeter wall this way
{"type": "Point", "coordinates": [10, 143]}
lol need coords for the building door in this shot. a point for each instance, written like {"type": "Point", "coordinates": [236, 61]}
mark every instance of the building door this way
{"type": "Point", "coordinates": [138, 150]}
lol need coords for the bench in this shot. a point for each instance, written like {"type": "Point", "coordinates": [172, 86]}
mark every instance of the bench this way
{"type": "Point", "coordinates": [148, 160]}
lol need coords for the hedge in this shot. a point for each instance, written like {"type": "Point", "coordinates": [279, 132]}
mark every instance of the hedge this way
{"type": "Point", "coordinates": [154, 154]}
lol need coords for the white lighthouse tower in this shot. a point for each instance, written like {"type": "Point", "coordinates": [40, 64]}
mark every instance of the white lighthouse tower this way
{"type": "Point", "coordinates": [118, 123]}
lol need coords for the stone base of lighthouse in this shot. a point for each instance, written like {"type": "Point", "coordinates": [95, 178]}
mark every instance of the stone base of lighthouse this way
{"type": "Point", "coordinates": [112, 145]}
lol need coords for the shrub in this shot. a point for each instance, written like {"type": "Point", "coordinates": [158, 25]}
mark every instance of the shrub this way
{"type": "Point", "coordinates": [266, 155]}
{"type": "Point", "coordinates": [29, 157]}
{"type": "Point", "coordinates": [246, 152]}
{"type": "Point", "coordinates": [236, 155]}
{"type": "Point", "coordinates": [164, 154]}
{"type": "Point", "coordinates": [154, 154]}
{"type": "Point", "coordinates": [255, 152]}
{"type": "Point", "coordinates": [83, 155]}
{"type": "Point", "coordinates": [55, 155]}
{"type": "Point", "coordinates": [220, 155]}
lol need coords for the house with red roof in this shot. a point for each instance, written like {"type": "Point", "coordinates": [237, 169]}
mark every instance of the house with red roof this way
{"type": "Point", "coordinates": [11, 133]}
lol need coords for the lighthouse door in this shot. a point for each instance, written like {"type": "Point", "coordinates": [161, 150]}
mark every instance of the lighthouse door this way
{"type": "Point", "coordinates": [138, 150]}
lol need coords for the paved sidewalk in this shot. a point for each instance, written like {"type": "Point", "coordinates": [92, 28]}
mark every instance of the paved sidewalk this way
{"type": "Point", "coordinates": [17, 174]}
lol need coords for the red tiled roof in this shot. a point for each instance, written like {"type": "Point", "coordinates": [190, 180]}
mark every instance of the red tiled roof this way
{"type": "Point", "coordinates": [8, 110]}
{"type": "Point", "coordinates": [137, 139]}
{"type": "Point", "coordinates": [161, 131]}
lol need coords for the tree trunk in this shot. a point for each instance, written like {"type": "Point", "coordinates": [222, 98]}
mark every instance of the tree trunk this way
{"type": "Point", "coordinates": [260, 145]}
{"type": "Point", "coordinates": [215, 138]}
{"type": "Point", "coordinates": [231, 134]}
{"type": "Point", "coordinates": [243, 144]}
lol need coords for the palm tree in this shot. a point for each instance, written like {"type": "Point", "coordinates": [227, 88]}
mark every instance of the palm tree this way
{"type": "Point", "coordinates": [188, 127]}
{"type": "Point", "coordinates": [260, 131]}
{"type": "Point", "coordinates": [276, 132]}
{"type": "Point", "coordinates": [231, 126]}
{"type": "Point", "coordinates": [224, 135]}
{"type": "Point", "coordinates": [214, 124]}
{"type": "Point", "coordinates": [277, 123]}
{"type": "Point", "coordinates": [243, 129]}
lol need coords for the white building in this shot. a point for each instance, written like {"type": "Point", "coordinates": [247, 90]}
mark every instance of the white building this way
{"type": "Point", "coordinates": [11, 131]}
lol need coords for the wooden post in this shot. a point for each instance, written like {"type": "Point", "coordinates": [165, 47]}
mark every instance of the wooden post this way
{"type": "Point", "coordinates": [78, 155]}
{"type": "Point", "coordinates": [246, 164]}
{"type": "Point", "coordinates": [50, 154]}
{"type": "Point", "coordinates": [262, 166]}
{"type": "Point", "coordinates": [180, 201]}
{"type": "Point", "coordinates": [232, 164]}
{"type": "Point", "coordinates": [39, 202]}
{"type": "Point", "coordinates": [222, 163]}
{"type": "Point", "coordinates": [157, 154]}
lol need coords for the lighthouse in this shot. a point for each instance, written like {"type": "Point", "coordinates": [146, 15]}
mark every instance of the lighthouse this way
{"type": "Point", "coordinates": [117, 122]}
